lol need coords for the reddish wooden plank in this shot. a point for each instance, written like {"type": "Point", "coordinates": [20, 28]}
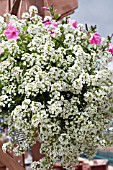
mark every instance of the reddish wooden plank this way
{"type": "Point", "coordinates": [62, 6]}
{"type": "Point", "coordinates": [2, 167]}
{"type": "Point", "coordinates": [3, 6]}
{"type": "Point", "coordinates": [9, 161]}
{"type": "Point", "coordinates": [36, 151]}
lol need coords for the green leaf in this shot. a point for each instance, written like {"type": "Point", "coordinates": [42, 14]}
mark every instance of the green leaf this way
{"type": "Point", "coordinates": [56, 16]}
{"type": "Point", "coordinates": [51, 10]}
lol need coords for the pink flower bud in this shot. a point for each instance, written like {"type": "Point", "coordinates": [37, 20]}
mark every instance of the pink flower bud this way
{"type": "Point", "coordinates": [95, 39]}
{"type": "Point", "coordinates": [110, 48]}
{"type": "Point", "coordinates": [1, 50]}
{"type": "Point", "coordinates": [72, 22]}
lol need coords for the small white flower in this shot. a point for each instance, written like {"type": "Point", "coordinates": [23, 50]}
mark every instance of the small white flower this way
{"type": "Point", "coordinates": [33, 9]}
{"type": "Point", "coordinates": [1, 20]}
{"type": "Point", "coordinates": [56, 84]}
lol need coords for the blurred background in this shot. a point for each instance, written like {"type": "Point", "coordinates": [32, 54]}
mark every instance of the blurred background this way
{"type": "Point", "coordinates": [96, 12]}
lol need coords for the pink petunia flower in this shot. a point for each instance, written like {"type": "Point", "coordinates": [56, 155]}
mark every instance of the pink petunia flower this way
{"type": "Point", "coordinates": [11, 32]}
{"type": "Point", "coordinates": [47, 22]}
{"type": "Point", "coordinates": [52, 27]}
{"type": "Point", "coordinates": [1, 50]}
{"type": "Point", "coordinates": [45, 8]}
{"type": "Point", "coordinates": [110, 48]}
{"type": "Point", "coordinates": [95, 39]}
{"type": "Point", "coordinates": [73, 22]}
{"type": "Point", "coordinates": [50, 23]}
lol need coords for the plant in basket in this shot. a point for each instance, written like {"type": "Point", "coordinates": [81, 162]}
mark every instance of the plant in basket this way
{"type": "Point", "coordinates": [55, 82]}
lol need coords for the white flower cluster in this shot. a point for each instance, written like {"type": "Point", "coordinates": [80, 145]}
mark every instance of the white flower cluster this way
{"type": "Point", "coordinates": [57, 87]}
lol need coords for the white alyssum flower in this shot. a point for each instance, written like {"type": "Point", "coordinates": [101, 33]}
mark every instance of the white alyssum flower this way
{"type": "Point", "coordinates": [55, 84]}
